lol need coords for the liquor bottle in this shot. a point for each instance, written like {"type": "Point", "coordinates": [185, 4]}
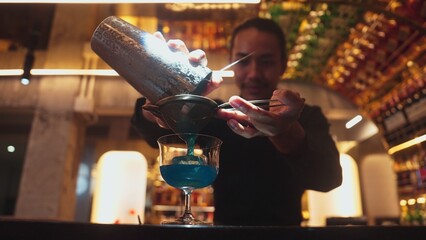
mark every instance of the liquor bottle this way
{"type": "Point", "coordinates": [417, 216]}
{"type": "Point", "coordinates": [405, 214]}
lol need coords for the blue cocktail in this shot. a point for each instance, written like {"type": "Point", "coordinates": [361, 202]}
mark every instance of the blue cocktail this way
{"type": "Point", "coordinates": [188, 176]}
{"type": "Point", "coordinates": [188, 162]}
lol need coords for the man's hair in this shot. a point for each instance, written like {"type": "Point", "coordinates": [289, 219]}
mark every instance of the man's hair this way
{"type": "Point", "coordinates": [263, 25]}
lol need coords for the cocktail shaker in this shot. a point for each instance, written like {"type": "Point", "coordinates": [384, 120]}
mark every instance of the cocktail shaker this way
{"type": "Point", "coordinates": [146, 62]}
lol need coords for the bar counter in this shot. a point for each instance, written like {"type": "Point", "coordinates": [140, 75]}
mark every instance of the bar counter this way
{"type": "Point", "coordinates": [11, 228]}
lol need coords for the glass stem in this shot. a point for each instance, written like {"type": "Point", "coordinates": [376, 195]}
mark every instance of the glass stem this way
{"type": "Point", "coordinates": [187, 199]}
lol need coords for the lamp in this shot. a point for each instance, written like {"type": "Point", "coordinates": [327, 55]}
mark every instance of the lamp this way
{"type": "Point", "coordinates": [28, 65]}
{"type": "Point", "coordinates": [29, 57]}
{"type": "Point", "coordinates": [354, 121]}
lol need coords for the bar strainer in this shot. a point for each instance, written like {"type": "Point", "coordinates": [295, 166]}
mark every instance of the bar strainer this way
{"type": "Point", "coordinates": [188, 113]}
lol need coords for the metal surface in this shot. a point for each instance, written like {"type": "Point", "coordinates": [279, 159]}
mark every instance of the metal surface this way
{"type": "Point", "coordinates": [146, 62]}
{"type": "Point", "coordinates": [259, 103]}
{"type": "Point", "coordinates": [187, 113]}
{"type": "Point", "coordinates": [235, 62]}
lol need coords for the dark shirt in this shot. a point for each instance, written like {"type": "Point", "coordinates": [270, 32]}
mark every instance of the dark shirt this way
{"type": "Point", "coordinates": [256, 184]}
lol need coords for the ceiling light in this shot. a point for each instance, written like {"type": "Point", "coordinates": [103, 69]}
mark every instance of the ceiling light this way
{"type": "Point", "coordinates": [353, 121]}
{"type": "Point", "coordinates": [28, 65]}
{"type": "Point", "coordinates": [132, 1]}
{"type": "Point", "coordinates": [407, 144]}
{"type": "Point", "coordinates": [11, 148]}
{"type": "Point", "coordinates": [68, 72]}
{"type": "Point", "coordinates": [25, 81]}
{"type": "Point", "coordinates": [80, 72]}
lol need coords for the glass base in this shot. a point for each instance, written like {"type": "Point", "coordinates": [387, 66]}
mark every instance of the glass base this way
{"type": "Point", "coordinates": [186, 219]}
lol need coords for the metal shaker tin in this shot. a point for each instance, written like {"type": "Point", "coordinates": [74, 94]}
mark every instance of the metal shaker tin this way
{"type": "Point", "coordinates": [146, 62]}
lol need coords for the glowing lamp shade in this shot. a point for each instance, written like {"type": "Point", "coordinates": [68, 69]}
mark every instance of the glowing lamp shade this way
{"type": "Point", "coordinates": [344, 201]}
{"type": "Point", "coordinates": [120, 188]}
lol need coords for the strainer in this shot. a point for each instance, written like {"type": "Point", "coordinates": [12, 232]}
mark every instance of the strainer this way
{"type": "Point", "coordinates": [188, 113]}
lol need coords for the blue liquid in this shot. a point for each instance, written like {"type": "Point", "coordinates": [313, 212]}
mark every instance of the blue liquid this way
{"type": "Point", "coordinates": [190, 143]}
{"type": "Point", "coordinates": [188, 176]}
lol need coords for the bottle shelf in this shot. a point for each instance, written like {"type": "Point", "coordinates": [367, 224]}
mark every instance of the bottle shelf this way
{"type": "Point", "coordinates": [174, 208]}
{"type": "Point", "coordinates": [168, 203]}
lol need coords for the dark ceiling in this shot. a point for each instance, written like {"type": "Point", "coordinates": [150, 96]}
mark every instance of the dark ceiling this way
{"type": "Point", "coordinates": [26, 25]}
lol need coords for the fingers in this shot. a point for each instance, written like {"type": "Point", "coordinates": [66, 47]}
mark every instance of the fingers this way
{"type": "Point", "coordinates": [227, 114]}
{"type": "Point", "coordinates": [245, 112]}
{"type": "Point", "coordinates": [177, 45]}
{"type": "Point", "coordinates": [293, 101]}
{"type": "Point", "coordinates": [288, 97]}
{"type": "Point", "coordinates": [152, 117]}
{"type": "Point", "coordinates": [254, 112]}
{"type": "Point", "coordinates": [242, 120]}
{"type": "Point", "coordinates": [214, 83]}
{"type": "Point", "coordinates": [161, 123]}
{"type": "Point", "coordinates": [249, 120]}
{"type": "Point", "coordinates": [245, 131]}
{"type": "Point", "coordinates": [198, 56]}
{"type": "Point", "coordinates": [159, 35]}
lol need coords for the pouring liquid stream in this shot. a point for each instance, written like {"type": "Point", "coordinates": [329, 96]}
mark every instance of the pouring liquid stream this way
{"type": "Point", "coordinates": [190, 158]}
{"type": "Point", "coordinates": [189, 172]}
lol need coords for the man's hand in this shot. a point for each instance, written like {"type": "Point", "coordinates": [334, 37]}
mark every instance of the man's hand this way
{"type": "Point", "coordinates": [280, 124]}
{"type": "Point", "coordinates": [198, 57]}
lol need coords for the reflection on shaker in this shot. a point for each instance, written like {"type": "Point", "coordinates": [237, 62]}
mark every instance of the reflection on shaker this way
{"type": "Point", "coordinates": [146, 62]}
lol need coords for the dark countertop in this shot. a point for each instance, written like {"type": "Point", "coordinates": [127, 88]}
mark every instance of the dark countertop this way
{"type": "Point", "coordinates": [11, 228]}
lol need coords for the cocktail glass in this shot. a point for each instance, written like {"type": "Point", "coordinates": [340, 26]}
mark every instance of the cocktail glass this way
{"type": "Point", "coordinates": [187, 162]}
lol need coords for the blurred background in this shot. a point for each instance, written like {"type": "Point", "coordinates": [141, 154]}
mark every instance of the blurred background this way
{"type": "Point", "coordinates": [62, 109]}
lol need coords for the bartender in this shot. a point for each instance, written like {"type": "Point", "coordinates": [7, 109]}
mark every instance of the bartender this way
{"type": "Point", "coordinates": [269, 157]}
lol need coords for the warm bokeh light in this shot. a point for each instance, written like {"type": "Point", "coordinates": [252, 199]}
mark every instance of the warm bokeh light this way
{"type": "Point", "coordinates": [120, 188]}
{"type": "Point", "coordinates": [133, 1]}
{"type": "Point", "coordinates": [407, 144]}
{"type": "Point", "coordinates": [411, 201]}
{"type": "Point", "coordinates": [344, 201]}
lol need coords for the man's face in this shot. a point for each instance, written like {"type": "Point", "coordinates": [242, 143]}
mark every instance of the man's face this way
{"type": "Point", "coordinates": [257, 76]}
